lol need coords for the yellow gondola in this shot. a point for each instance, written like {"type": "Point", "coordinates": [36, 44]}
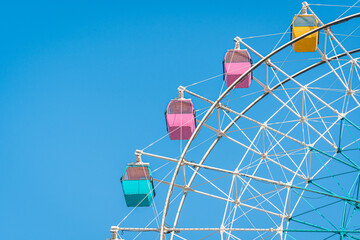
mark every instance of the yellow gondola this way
{"type": "Point", "coordinates": [302, 24]}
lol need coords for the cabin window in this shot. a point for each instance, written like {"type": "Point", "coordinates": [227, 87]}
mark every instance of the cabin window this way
{"type": "Point", "coordinates": [137, 173]}
{"type": "Point", "coordinates": [305, 21]}
{"type": "Point", "coordinates": [236, 56]}
{"type": "Point", "coordinates": [180, 107]}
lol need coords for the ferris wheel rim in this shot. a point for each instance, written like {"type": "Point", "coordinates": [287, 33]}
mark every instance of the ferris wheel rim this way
{"type": "Point", "coordinates": [304, 70]}
{"type": "Point", "coordinates": [174, 160]}
{"type": "Point", "coordinates": [173, 229]}
{"type": "Point", "coordinates": [230, 88]}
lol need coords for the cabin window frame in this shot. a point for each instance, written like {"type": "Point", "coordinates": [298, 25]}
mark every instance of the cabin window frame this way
{"type": "Point", "coordinates": [244, 54]}
{"type": "Point", "coordinates": [145, 176]}
{"type": "Point", "coordinates": [314, 24]}
{"type": "Point", "coordinates": [181, 111]}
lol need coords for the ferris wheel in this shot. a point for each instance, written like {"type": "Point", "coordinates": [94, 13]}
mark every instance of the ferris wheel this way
{"type": "Point", "coordinates": [273, 153]}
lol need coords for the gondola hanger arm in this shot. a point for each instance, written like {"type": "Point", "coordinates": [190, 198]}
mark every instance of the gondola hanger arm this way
{"type": "Point", "coordinates": [138, 159]}
{"type": "Point", "coordinates": [181, 92]}
{"type": "Point", "coordinates": [237, 43]}
{"type": "Point", "coordinates": [305, 5]}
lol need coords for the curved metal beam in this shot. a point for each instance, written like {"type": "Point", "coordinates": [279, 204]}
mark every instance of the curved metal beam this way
{"type": "Point", "coordinates": [226, 92]}
{"type": "Point", "coordinates": [254, 103]}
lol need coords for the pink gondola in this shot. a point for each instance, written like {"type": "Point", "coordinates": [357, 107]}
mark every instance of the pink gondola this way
{"type": "Point", "coordinates": [180, 119]}
{"type": "Point", "coordinates": [236, 63]}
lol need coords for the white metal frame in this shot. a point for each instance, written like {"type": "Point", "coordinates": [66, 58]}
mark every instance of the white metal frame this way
{"type": "Point", "coordinates": [265, 130]}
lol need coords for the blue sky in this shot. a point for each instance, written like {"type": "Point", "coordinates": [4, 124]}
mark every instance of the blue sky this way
{"type": "Point", "coordinates": [83, 84]}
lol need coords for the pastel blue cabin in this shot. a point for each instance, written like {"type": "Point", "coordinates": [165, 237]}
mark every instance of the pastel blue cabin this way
{"type": "Point", "coordinates": [138, 186]}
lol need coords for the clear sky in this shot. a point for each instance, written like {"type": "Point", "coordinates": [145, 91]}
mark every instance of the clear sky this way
{"type": "Point", "coordinates": [83, 84]}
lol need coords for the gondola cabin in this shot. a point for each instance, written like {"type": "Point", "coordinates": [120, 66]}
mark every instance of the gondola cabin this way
{"type": "Point", "coordinates": [302, 24]}
{"type": "Point", "coordinates": [236, 63]}
{"type": "Point", "coordinates": [180, 119]}
{"type": "Point", "coordinates": [137, 185]}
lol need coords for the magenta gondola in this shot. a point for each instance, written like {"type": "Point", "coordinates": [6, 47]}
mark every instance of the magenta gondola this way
{"type": "Point", "coordinates": [180, 119]}
{"type": "Point", "coordinates": [236, 63]}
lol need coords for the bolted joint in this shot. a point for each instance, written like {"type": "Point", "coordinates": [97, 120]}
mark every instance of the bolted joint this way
{"type": "Point", "coordinates": [138, 154]}
{"type": "Point", "coordinates": [181, 92]}
{"type": "Point", "coordinates": [114, 232]}
{"type": "Point", "coordinates": [304, 9]}
{"type": "Point", "coordinates": [279, 230]}
{"type": "Point", "coordinates": [181, 88]}
{"type": "Point", "coordinates": [305, 5]}
{"type": "Point", "coordinates": [288, 185]}
{"type": "Point", "coordinates": [220, 133]}
{"type": "Point", "coordinates": [267, 89]}
{"type": "Point", "coordinates": [237, 40]}
{"type": "Point", "coordinates": [222, 228]}
{"type": "Point", "coordinates": [219, 105]}
{"type": "Point", "coordinates": [302, 119]}
{"type": "Point", "coordinates": [328, 30]}
{"type": "Point", "coordinates": [263, 126]}
{"type": "Point", "coordinates": [268, 62]}
{"type": "Point", "coordinates": [324, 58]}
{"type": "Point", "coordinates": [350, 92]}
{"type": "Point", "coordinates": [166, 230]}
{"type": "Point", "coordinates": [186, 189]}
{"type": "Point", "coordinates": [353, 61]}
{"type": "Point", "coordinates": [340, 115]}
{"type": "Point", "coordinates": [237, 45]}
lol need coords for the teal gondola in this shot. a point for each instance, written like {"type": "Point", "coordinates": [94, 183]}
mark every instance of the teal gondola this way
{"type": "Point", "coordinates": [137, 184]}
